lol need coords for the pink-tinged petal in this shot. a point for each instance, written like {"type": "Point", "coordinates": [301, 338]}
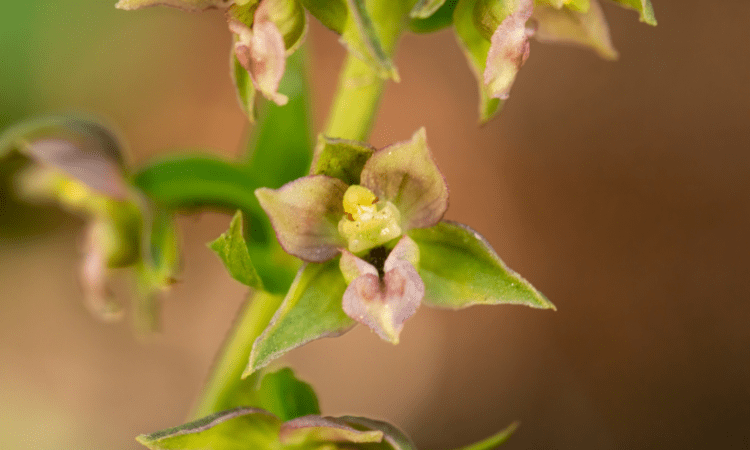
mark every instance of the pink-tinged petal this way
{"type": "Point", "coordinates": [563, 25]}
{"type": "Point", "coordinates": [186, 5]}
{"type": "Point", "coordinates": [509, 50]}
{"type": "Point", "coordinates": [95, 276]}
{"type": "Point", "coordinates": [262, 53]}
{"type": "Point", "coordinates": [305, 215]}
{"type": "Point", "coordinates": [384, 304]}
{"type": "Point", "coordinates": [317, 429]}
{"type": "Point", "coordinates": [406, 175]}
{"type": "Point", "coordinates": [353, 267]}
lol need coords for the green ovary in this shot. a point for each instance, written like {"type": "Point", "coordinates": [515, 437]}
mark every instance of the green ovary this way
{"type": "Point", "coordinates": [368, 222]}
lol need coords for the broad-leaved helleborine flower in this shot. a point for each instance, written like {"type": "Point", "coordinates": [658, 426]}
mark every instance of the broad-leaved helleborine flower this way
{"type": "Point", "coordinates": [319, 216]}
{"type": "Point", "coordinates": [80, 165]}
{"type": "Point", "coordinates": [266, 32]}
{"type": "Point", "coordinates": [494, 35]}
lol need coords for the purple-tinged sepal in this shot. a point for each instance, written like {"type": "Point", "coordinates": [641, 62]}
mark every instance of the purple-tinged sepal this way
{"type": "Point", "coordinates": [406, 175]}
{"type": "Point", "coordinates": [305, 214]}
{"type": "Point", "coordinates": [317, 430]}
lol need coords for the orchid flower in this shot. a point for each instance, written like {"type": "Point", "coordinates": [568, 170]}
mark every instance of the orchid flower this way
{"type": "Point", "coordinates": [379, 210]}
{"type": "Point", "coordinates": [266, 32]}
{"type": "Point", "coordinates": [494, 35]}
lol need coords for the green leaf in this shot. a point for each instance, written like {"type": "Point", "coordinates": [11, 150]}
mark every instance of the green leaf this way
{"type": "Point", "coordinates": [493, 441]}
{"type": "Point", "coordinates": [340, 158]}
{"type": "Point", "coordinates": [184, 181]}
{"type": "Point", "coordinates": [476, 48]}
{"type": "Point", "coordinates": [280, 148]}
{"type": "Point", "coordinates": [232, 249]}
{"type": "Point", "coordinates": [440, 19]}
{"type": "Point", "coordinates": [642, 6]}
{"type": "Point", "coordinates": [285, 396]}
{"type": "Point", "coordinates": [236, 429]}
{"type": "Point", "coordinates": [460, 269]}
{"type": "Point", "coordinates": [311, 310]}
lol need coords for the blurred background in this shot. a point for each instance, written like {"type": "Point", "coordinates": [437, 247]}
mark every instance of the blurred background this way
{"type": "Point", "coordinates": [620, 190]}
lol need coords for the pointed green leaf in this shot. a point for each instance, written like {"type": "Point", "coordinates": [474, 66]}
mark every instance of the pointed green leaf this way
{"type": "Point", "coordinates": [589, 29]}
{"type": "Point", "coordinates": [642, 6]}
{"type": "Point", "coordinates": [236, 429]}
{"type": "Point", "coordinates": [475, 48]}
{"type": "Point", "coordinates": [285, 396]}
{"type": "Point", "coordinates": [232, 249]}
{"type": "Point", "coordinates": [438, 20]}
{"type": "Point", "coordinates": [493, 441]}
{"type": "Point", "coordinates": [340, 158]}
{"type": "Point", "coordinates": [187, 5]}
{"type": "Point", "coordinates": [311, 310]}
{"type": "Point", "coordinates": [460, 269]}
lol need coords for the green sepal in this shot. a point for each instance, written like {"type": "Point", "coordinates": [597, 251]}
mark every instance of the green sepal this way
{"type": "Point", "coordinates": [475, 47]}
{"type": "Point", "coordinates": [460, 269]}
{"type": "Point", "coordinates": [438, 20]}
{"type": "Point", "coordinates": [243, 86]}
{"type": "Point", "coordinates": [340, 158]}
{"type": "Point", "coordinates": [493, 441]}
{"type": "Point", "coordinates": [425, 8]}
{"type": "Point", "coordinates": [644, 7]}
{"type": "Point", "coordinates": [311, 310]}
{"type": "Point", "coordinates": [488, 14]}
{"type": "Point", "coordinates": [231, 247]}
{"type": "Point", "coordinates": [235, 429]}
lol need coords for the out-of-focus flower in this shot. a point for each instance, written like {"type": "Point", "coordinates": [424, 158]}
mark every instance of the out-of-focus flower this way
{"type": "Point", "coordinates": [80, 166]}
{"type": "Point", "coordinates": [266, 32]}
{"type": "Point", "coordinates": [494, 35]}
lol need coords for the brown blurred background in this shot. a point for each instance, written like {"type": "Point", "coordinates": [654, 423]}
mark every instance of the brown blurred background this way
{"type": "Point", "coordinates": [619, 189]}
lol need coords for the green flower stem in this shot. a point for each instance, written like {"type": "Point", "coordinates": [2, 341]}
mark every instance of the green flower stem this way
{"type": "Point", "coordinates": [226, 374]}
{"type": "Point", "coordinates": [357, 98]}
